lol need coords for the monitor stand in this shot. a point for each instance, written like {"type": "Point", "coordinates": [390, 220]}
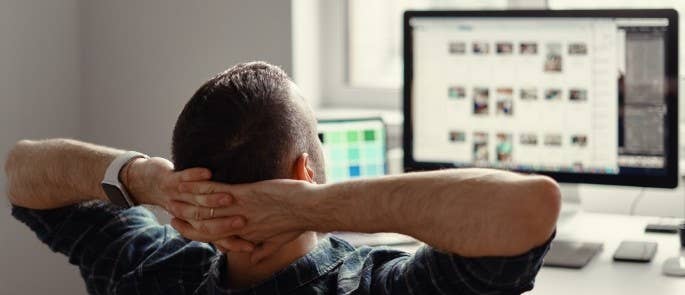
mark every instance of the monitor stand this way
{"type": "Point", "coordinates": [569, 252]}
{"type": "Point", "coordinates": [570, 197]}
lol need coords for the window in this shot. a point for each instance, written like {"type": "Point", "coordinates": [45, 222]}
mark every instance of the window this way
{"type": "Point", "coordinates": [375, 37]}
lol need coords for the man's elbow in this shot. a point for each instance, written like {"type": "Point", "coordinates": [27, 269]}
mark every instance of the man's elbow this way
{"type": "Point", "coordinates": [12, 167]}
{"type": "Point", "coordinates": [550, 197]}
{"type": "Point", "coordinates": [542, 209]}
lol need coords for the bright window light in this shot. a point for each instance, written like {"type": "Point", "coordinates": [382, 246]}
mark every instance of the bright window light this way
{"type": "Point", "coordinates": [375, 37]}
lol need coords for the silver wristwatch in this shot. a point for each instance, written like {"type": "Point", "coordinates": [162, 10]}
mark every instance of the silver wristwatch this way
{"type": "Point", "coordinates": [111, 184]}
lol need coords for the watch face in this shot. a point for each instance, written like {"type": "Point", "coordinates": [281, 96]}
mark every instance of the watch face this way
{"type": "Point", "coordinates": [115, 195]}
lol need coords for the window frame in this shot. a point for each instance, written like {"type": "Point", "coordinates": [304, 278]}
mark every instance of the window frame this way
{"type": "Point", "coordinates": [336, 91]}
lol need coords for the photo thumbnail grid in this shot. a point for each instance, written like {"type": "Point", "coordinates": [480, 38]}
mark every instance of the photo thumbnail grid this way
{"type": "Point", "coordinates": [553, 51]}
{"type": "Point", "coordinates": [500, 100]}
{"type": "Point", "coordinates": [506, 142]}
{"type": "Point", "coordinates": [484, 92]}
{"type": "Point", "coordinates": [505, 97]}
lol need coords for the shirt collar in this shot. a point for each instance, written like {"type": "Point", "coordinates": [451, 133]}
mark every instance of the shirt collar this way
{"type": "Point", "coordinates": [326, 256]}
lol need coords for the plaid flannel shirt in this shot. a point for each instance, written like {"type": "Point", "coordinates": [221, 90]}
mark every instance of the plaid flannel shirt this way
{"type": "Point", "coordinates": [126, 251]}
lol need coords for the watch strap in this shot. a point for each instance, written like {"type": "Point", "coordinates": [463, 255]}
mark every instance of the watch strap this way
{"type": "Point", "coordinates": [112, 184]}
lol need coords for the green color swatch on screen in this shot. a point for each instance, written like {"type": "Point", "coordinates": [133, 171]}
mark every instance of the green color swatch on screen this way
{"type": "Point", "coordinates": [353, 152]}
{"type": "Point", "coordinates": [352, 136]}
{"type": "Point", "coordinates": [369, 135]}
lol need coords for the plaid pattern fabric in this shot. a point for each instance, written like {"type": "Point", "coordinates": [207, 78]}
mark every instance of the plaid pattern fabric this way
{"type": "Point", "coordinates": [128, 252]}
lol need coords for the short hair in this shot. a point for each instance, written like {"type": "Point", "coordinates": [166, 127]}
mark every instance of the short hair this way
{"type": "Point", "coordinates": [243, 125]}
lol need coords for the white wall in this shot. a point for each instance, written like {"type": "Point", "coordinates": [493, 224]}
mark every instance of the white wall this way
{"type": "Point", "coordinates": [115, 73]}
{"type": "Point", "coordinates": [39, 97]}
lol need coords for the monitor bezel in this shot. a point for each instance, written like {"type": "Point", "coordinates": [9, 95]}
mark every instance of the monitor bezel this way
{"type": "Point", "coordinates": [669, 180]}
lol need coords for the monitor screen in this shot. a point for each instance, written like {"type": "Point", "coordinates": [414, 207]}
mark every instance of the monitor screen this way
{"type": "Point", "coordinates": [353, 148]}
{"type": "Point", "coordinates": [585, 96]}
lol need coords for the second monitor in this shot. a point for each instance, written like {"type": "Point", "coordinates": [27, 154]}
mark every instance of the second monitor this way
{"type": "Point", "coordinates": [353, 147]}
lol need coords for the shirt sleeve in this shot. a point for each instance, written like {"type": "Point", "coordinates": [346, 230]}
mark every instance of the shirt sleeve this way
{"type": "Point", "coordinates": [430, 271]}
{"type": "Point", "coordinates": [104, 241]}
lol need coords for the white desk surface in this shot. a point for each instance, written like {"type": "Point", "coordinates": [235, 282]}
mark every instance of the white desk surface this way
{"type": "Point", "coordinates": [604, 276]}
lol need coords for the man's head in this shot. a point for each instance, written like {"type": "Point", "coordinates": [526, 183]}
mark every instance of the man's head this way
{"type": "Point", "coordinates": [248, 124]}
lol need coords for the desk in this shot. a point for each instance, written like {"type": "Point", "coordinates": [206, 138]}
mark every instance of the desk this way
{"type": "Point", "coordinates": [604, 276]}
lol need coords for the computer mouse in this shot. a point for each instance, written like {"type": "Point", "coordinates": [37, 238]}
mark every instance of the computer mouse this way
{"type": "Point", "coordinates": [674, 266]}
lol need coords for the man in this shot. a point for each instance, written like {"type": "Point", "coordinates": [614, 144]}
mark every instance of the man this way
{"type": "Point", "coordinates": [261, 199]}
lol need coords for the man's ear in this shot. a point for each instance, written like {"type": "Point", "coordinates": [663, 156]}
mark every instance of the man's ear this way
{"type": "Point", "coordinates": [302, 171]}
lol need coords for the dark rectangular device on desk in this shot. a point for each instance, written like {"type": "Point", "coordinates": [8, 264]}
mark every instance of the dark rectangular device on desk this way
{"type": "Point", "coordinates": [583, 96]}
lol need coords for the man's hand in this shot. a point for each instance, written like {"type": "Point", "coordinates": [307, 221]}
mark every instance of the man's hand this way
{"type": "Point", "coordinates": [153, 181]}
{"type": "Point", "coordinates": [270, 207]}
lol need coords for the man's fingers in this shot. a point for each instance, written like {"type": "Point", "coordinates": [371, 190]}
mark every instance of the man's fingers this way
{"type": "Point", "coordinates": [235, 244]}
{"type": "Point", "coordinates": [218, 227]}
{"type": "Point", "coordinates": [192, 174]}
{"type": "Point", "coordinates": [193, 212]}
{"type": "Point", "coordinates": [204, 187]}
{"type": "Point", "coordinates": [206, 232]}
{"type": "Point", "coordinates": [208, 200]}
{"type": "Point", "coordinates": [188, 231]}
{"type": "Point", "coordinates": [195, 174]}
{"type": "Point", "coordinates": [188, 211]}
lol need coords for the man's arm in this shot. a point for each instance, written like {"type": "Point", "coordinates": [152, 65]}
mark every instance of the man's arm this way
{"type": "Point", "coordinates": [50, 182]}
{"type": "Point", "coordinates": [469, 212]}
{"type": "Point", "coordinates": [53, 173]}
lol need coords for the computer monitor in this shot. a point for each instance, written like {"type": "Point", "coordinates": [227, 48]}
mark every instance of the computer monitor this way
{"type": "Point", "coordinates": [353, 148]}
{"type": "Point", "coordinates": [584, 96]}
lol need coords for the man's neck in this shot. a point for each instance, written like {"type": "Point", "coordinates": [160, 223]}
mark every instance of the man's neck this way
{"type": "Point", "coordinates": [242, 273]}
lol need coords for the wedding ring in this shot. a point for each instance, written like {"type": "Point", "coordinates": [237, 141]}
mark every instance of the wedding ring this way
{"type": "Point", "coordinates": [211, 212]}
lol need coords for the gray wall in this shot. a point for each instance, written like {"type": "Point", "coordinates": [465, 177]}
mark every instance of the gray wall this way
{"type": "Point", "coordinates": [39, 97]}
{"type": "Point", "coordinates": [115, 73]}
{"type": "Point", "coordinates": [142, 60]}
